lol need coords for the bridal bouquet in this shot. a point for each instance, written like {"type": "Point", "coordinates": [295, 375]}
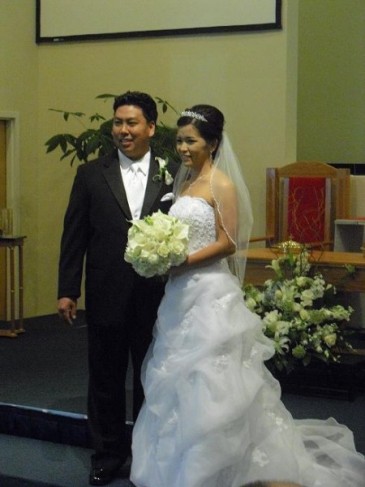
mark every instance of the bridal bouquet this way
{"type": "Point", "coordinates": [156, 243]}
{"type": "Point", "coordinates": [297, 313]}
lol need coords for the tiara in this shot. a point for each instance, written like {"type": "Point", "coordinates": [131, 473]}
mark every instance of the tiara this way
{"type": "Point", "coordinates": [198, 116]}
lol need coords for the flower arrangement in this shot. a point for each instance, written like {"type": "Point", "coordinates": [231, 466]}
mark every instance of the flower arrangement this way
{"type": "Point", "coordinates": [295, 314]}
{"type": "Point", "coordinates": [156, 243]}
{"type": "Point", "coordinates": [163, 174]}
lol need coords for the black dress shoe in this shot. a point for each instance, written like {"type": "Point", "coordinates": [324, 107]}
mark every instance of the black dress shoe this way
{"type": "Point", "coordinates": [101, 476]}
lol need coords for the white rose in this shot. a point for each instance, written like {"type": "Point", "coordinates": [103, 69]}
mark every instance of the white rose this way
{"type": "Point", "coordinates": [330, 339]}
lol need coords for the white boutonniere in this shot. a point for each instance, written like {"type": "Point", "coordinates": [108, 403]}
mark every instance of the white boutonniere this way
{"type": "Point", "coordinates": [163, 174]}
{"type": "Point", "coordinates": [167, 197]}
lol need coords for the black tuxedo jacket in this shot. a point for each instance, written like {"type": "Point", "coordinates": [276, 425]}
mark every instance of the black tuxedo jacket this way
{"type": "Point", "coordinates": [96, 226]}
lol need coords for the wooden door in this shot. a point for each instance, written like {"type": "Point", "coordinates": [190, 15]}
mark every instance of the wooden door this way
{"type": "Point", "coordinates": [3, 205]}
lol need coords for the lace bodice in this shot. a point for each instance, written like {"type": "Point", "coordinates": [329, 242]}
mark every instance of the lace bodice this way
{"type": "Point", "coordinates": [199, 215]}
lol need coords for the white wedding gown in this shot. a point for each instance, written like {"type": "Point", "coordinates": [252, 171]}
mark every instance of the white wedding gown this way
{"type": "Point", "coordinates": [213, 415]}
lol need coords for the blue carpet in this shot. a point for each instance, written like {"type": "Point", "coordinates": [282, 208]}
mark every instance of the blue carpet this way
{"type": "Point", "coordinates": [27, 462]}
{"type": "Point", "coordinates": [44, 440]}
{"type": "Point", "coordinates": [18, 482]}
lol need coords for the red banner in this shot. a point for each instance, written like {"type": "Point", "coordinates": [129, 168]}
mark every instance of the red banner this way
{"type": "Point", "coordinates": [307, 209]}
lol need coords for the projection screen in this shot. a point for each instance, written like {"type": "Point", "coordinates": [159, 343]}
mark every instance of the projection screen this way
{"type": "Point", "coordinates": [77, 20]}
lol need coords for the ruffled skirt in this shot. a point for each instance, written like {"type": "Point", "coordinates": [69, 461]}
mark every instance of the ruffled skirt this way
{"type": "Point", "coordinates": [213, 415]}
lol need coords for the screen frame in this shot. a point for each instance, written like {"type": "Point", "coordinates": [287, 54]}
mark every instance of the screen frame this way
{"type": "Point", "coordinates": [274, 24]}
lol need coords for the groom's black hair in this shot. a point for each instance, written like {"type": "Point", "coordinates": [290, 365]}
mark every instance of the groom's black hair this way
{"type": "Point", "coordinates": [142, 100]}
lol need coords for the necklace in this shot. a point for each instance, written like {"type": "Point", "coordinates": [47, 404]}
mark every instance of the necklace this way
{"type": "Point", "coordinates": [194, 182]}
{"type": "Point", "coordinates": [199, 178]}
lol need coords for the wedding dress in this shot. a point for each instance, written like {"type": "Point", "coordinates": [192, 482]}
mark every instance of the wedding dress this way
{"type": "Point", "coordinates": [213, 415]}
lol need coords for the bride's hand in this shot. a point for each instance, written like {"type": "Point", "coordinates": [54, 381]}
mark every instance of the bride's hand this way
{"type": "Point", "coordinates": [180, 269]}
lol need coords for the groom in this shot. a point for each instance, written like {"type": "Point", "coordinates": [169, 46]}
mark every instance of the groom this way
{"type": "Point", "coordinates": [120, 305]}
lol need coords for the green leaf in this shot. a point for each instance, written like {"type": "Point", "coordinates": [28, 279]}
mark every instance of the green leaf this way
{"type": "Point", "coordinates": [92, 145]}
{"type": "Point", "coordinates": [71, 139]}
{"type": "Point", "coordinates": [67, 154]}
{"type": "Point", "coordinates": [106, 128]}
{"type": "Point", "coordinates": [106, 144]}
{"type": "Point", "coordinates": [106, 96]}
{"type": "Point", "coordinates": [96, 117]}
{"type": "Point", "coordinates": [165, 105]}
{"type": "Point", "coordinates": [87, 134]}
{"type": "Point", "coordinates": [77, 114]}
{"type": "Point", "coordinates": [67, 114]}
{"type": "Point", "coordinates": [53, 143]}
{"type": "Point", "coordinates": [351, 269]}
{"type": "Point", "coordinates": [56, 110]}
{"type": "Point", "coordinates": [63, 145]}
{"type": "Point", "coordinates": [73, 159]}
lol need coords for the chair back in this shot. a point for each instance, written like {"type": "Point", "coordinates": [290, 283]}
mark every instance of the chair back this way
{"type": "Point", "coordinates": [303, 201]}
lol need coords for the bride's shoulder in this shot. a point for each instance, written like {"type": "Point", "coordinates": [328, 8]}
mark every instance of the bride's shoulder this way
{"type": "Point", "coordinates": [221, 180]}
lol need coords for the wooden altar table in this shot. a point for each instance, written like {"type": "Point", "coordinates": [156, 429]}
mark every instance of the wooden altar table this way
{"type": "Point", "coordinates": [332, 265]}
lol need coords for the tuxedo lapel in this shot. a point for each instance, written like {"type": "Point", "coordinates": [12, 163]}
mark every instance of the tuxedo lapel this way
{"type": "Point", "coordinates": [153, 187]}
{"type": "Point", "coordinates": [112, 174]}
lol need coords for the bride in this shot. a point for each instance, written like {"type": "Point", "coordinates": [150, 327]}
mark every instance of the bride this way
{"type": "Point", "coordinates": [212, 415]}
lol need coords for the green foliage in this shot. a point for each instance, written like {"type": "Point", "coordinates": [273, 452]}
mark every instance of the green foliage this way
{"type": "Point", "coordinates": [298, 313]}
{"type": "Point", "coordinates": [95, 142]}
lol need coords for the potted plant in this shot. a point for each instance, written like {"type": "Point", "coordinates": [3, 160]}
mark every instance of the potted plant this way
{"type": "Point", "coordinates": [96, 140]}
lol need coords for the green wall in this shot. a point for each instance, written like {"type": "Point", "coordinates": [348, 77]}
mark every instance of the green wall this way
{"type": "Point", "coordinates": [331, 80]}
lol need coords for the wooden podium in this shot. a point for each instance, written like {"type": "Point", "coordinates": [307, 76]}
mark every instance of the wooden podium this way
{"type": "Point", "coordinates": [11, 243]}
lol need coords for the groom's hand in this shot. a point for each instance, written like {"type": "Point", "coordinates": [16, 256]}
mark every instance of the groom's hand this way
{"type": "Point", "coordinates": [67, 309]}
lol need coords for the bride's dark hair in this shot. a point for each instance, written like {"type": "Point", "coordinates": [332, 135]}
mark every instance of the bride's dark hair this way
{"type": "Point", "coordinates": [210, 127]}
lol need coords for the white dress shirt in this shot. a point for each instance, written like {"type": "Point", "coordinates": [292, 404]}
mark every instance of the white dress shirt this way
{"type": "Point", "coordinates": [134, 175]}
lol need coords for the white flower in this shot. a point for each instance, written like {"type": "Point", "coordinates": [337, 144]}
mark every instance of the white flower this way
{"type": "Point", "coordinates": [275, 265]}
{"type": "Point", "coordinates": [167, 197]}
{"type": "Point", "coordinates": [271, 317]}
{"type": "Point", "coordinates": [330, 339]}
{"type": "Point", "coordinates": [251, 303]}
{"type": "Point", "coordinates": [340, 313]}
{"type": "Point", "coordinates": [301, 281]}
{"type": "Point", "coordinates": [282, 328]}
{"type": "Point", "coordinates": [281, 345]}
{"type": "Point", "coordinates": [294, 314]}
{"type": "Point", "coordinates": [307, 297]}
{"type": "Point", "coordinates": [163, 173]}
{"type": "Point", "coordinates": [156, 243]}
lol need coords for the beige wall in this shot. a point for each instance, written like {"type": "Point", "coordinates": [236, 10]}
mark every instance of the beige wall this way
{"type": "Point", "coordinates": [19, 95]}
{"type": "Point", "coordinates": [331, 80]}
{"type": "Point", "coordinates": [251, 77]}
